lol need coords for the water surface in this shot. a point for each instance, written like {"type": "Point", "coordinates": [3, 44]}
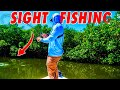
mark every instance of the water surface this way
{"type": "Point", "coordinates": [36, 69]}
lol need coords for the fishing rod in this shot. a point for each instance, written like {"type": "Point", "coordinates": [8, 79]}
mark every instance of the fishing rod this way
{"type": "Point", "coordinates": [31, 27]}
{"type": "Point", "coordinates": [8, 15]}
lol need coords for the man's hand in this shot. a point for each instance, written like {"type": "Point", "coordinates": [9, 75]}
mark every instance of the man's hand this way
{"type": "Point", "coordinates": [44, 35]}
{"type": "Point", "coordinates": [38, 39]}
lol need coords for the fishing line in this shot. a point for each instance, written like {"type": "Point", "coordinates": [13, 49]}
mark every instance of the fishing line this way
{"type": "Point", "coordinates": [4, 16]}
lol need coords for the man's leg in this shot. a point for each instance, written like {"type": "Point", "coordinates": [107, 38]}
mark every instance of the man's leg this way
{"type": "Point", "coordinates": [52, 67]}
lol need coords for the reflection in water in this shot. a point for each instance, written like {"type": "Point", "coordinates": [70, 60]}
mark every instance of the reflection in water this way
{"type": "Point", "coordinates": [36, 68]}
{"type": "Point", "coordinates": [89, 71]}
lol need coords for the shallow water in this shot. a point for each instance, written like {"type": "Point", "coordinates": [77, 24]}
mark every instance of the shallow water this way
{"type": "Point", "coordinates": [36, 69]}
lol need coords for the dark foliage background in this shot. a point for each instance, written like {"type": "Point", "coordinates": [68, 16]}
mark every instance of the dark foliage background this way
{"type": "Point", "coordinates": [96, 44]}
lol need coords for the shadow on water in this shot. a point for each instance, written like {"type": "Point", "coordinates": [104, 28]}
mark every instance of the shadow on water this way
{"type": "Point", "coordinates": [36, 69]}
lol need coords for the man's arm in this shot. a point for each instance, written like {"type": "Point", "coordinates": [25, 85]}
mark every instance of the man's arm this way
{"type": "Point", "coordinates": [54, 34]}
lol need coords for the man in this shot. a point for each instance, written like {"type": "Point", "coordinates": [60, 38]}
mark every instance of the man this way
{"type": "Point", "coordinates": [55, 48]}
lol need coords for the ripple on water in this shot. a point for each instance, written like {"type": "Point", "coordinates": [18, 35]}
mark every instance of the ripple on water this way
{"type": "Point", "coordinates": [3, 64]}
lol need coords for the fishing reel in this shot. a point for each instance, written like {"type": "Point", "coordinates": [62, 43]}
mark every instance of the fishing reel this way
{"type": "Point", "coordinates": [43, 35]}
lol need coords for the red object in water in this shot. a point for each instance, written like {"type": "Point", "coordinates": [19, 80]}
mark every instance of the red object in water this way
{"type": "Point", "coordinates": [21, 51]}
